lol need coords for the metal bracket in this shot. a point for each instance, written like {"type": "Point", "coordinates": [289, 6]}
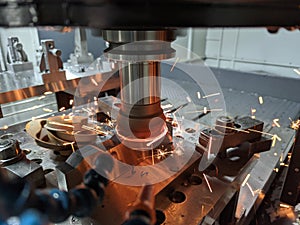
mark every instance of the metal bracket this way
{"type": "Point", "coordinates": [17, 60]}
{"type": "Point", "coordinates": [51, 63]}
{"type": "Point", "coordinates": [81, 54]}
{"type": "Point", "coordinates": [229, 137]}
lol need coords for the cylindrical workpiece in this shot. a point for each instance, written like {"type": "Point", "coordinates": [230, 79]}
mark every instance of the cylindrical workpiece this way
{"type": "Point", "coordinates": [140, 82]}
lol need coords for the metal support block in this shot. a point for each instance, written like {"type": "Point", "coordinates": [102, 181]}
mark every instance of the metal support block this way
{"type": "Point", "coordinates": [17, 60]}
{"type": "Point", "coordinates": [81, 54]}
{"type": "Point", "coordinates": [291, 190]}
{"type": "Point", "coordinates": [51, 63]}
{"type": "Point", "coordinates": [14, 161]}
{"type": "Point", "coordinates": [229, 133]}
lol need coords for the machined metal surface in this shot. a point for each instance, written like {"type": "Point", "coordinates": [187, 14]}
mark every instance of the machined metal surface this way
{"type": "Point", "coordinates": [230, 133]}
{"type": "Point", "coordinates": [17, 60]}
{"type": "Point", "coordinates": [14, 161]}
{"type": "Point", "coordinates": [188, 210]}
{"type": "Point", "coordinates": [51, 64]}
{"type": "Point", "coordinates": [126, 36]}
{"type": "Point", "coordinates": [140, 82]}
{"type": "Point", "coordinates": [81, 54]}
{"type": "Point", "coordinates": [27, 92]}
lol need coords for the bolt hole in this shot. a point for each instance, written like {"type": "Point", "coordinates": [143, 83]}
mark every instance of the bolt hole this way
{"type": "Point", "coordinates": [195, 180]}
{"type": "Point", "coordinates": [38, 161]}
{"type": "Point", "coordinates": [236, 125]}
{"type": "Point", "coordinates": [26, 151]}
{"type": "Point", "coordinates": [177, 197]}
{"type": "Point", "coordinates": [180, 137]}
{"type": "Point", "coordinates": [160, 217]}
{"type": "Point", "coordinates": [46, 171]}
{"type": "Point", "coordinates": [56, 153]}
{"type": "Point", "coordinates": [190, 130]}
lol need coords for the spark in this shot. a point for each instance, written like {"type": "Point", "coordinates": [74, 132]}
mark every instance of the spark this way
{"type": "Point", "coordinates": [33, 107]}
{"type": "Point", "coordinates": [284, 206]}
{"type": "Point", "coordinates": [161, 154]}
{"type": "Point", "coordinates": [261, 100]}
{"type": "Point", "coordinates": [198, 94]}
{"type": "Point", "coordinates": [62, 109]}
{"type": "Point", "coordinates": [275, 154]}
{"type": "Point", "coordinates": [188, 99]}
{"type": "Point", "coordinates": [47, 110]}
{"type": "Point", "coordinates": [207, 183]}
{"type": "Point", "coordinates": [42, 97]}
{"type": "Point", "coordinates": [250, 188]}
{"type": "Point", "coordinates": [294, 124]}
{"type": "Point", "coordinates": [95, 101]}
{"type": "Point", "coordinates": [276, 122]}
{"type": "Point", "coordinates": [94, 82]}
{"type": "Point", "coordinates": [5, 127]}
{"type": "Point", "coordinates": [246, 179]}
{"type": "Point", "coordinates": [152, 156]}
{"type": "Point", "coordinates": [281, 157]}
{"type": "Point", "coordinates": [166, 106]}
{"type": "Point", "coordinates": [95, 129]}
{"type": "Point", "coordinates": [173, 111]}
{"type": "Point", "coordinates": [177, 59]}
{"type": "Point", "coordinates": [265, 133]}
{"type": "Point", "coordinates": [274, 139]}
{"type": "Point", "coordinates": [70, 143]}
{"type": "Point", "coordinates": [253, 111]}
{"type": "Point", "coordinates": [71, 101]}
{"type": "Point", "coordinates": [61, 124]}
{"type": "Point", "coordinates": [257, 191]}
{"type": "Point", "coordinates": [205, 110]}
{"type": "Point", "coordinates": [232, 128]}
{"type": "Point", "coordinates": [88, 110]}
{"type": "Point", "coordinates": [158, 155]}
{"type": "Point", "coordinates": [296, 71]}
{"type": "Point", "coordinates": [48, 93]}
{"type": "Point", "coordinates": [211, 95]}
